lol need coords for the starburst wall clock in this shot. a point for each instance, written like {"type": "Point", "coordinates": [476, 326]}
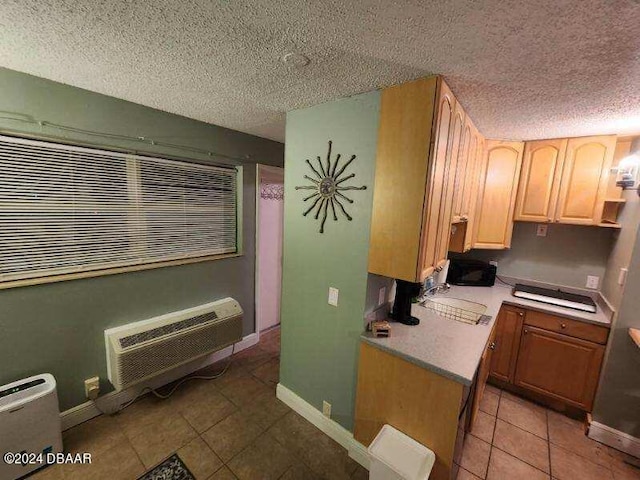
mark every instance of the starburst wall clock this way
{"type": "Point", "coordinates": [328, 187]}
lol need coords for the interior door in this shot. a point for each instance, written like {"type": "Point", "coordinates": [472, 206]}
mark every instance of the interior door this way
{"type": "Point", "coordinates": [270, 213]}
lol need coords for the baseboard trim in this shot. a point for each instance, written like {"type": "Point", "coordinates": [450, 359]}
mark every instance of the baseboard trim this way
{"type": "Point", "coordinates": [337, 432]}
{"type": "Point", "coordinates": [615, 438]}
{"type": "Point", "coordinates": [111, 401]}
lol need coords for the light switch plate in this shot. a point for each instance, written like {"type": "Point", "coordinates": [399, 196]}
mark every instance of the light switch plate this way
{"type": "Point", "coordinates": [593, 281]}
{"type": "Point", "coordinates": [382, 295]}
{"type": "Point", "coordinates": [333, 296]}
{"type": "Point", "coordinates": [326, 409]}
{"type": "Point", "coordinates": [541, 231]}
{"type": "Point", "coordinates": [622, 276]}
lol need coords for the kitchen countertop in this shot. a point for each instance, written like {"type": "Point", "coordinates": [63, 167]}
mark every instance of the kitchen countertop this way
{"type": "Point", "coordinates": [453, 349]}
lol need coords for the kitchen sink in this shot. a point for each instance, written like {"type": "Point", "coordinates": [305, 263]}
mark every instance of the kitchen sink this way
{"type": "Point", "coordinates": [457, 309]}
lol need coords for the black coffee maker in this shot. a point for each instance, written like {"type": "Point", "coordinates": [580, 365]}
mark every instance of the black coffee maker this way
{"type": "Point", "coordinates": [405, 293]}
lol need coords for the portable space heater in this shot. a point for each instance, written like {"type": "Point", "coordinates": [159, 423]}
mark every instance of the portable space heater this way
{"type": "Point", "coordinates": [29, 422]}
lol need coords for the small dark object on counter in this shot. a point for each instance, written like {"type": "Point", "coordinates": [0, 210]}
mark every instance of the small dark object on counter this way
{"type": "Point", "coordinates": [381, 328]}
{"type": "Point", "coordinates": [405, 293]}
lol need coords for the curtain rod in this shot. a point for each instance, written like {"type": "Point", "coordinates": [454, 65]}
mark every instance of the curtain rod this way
{"type": "Point", "coordinates": [141, 139]}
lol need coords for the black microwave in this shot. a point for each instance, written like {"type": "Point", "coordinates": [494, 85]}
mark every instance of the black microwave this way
{"type": "Point", "coordinates": [473, 273]}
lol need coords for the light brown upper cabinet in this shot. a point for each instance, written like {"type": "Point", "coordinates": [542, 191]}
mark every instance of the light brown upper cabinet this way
{"type": "Point", "coordinates": [585, 175]}
{"type": "Point", "coordinates": [540, 180]}
{"type": "Point", "coordinates": [497, 195]}
{"type": "Point", "coordinates": [412, 180]}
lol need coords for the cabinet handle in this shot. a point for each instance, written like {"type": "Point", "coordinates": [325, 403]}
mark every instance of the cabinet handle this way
{"type": "Point", "coordinates": [526, 331]}
{"type": "Point", "coordinates": [521, 314]}
{"type": "Point", "coordinates": [492, 346]}
{"type": "Point", "coordinates": [563, 325]}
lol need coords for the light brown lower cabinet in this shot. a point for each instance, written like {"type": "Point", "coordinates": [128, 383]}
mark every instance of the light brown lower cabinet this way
{"type": "Point", "coordinates": [555, 358]}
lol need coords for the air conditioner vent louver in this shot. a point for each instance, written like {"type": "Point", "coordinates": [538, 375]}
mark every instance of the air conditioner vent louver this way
{"type": "Point", "coordinates": [166, 330]}
{"type": "Point", "coordinates": [141, 350]}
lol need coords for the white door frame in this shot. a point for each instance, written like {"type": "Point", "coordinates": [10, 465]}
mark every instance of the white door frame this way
{"type": "Point", "coordinates": [267, 168]}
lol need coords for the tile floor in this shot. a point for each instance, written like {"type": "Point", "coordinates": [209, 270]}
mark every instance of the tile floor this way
{"type": "Point", "coordinates": [229, 428]}
{"type": "Point", "coordinates": [235, 428]}
{"type": "Point", "coordinates": [517, 439]}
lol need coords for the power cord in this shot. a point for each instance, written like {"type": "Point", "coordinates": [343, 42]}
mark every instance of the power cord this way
{"type": "Point", "coordinates": [173, 389]}
{"type": "Point", "coordinates": [505, 283]}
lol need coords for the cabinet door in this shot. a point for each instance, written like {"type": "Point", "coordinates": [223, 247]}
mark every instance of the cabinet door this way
{"type": "Point", "coordinates": [584, 180]}
{"type": "Point", "coordinates": [446, 207]}
{"type": "Point", "coordinates": [499, 181]}
{"type": "Point", "coordinates": [540, 180]}
{"type": "Point", "coordinates": [483, 374]}
{"type": "Point", "coordinates": [559, 366]}
{"type": "Point", "coordinates": [507, 342]}
{"type": "Point", "coordinates": [470, 203]}
{"type": "Point", "coordinates": [436, 182]}
{"type": "Point", "coordinates": [460, 184]}
{"type": "Point", "coordinates": [402, 165]}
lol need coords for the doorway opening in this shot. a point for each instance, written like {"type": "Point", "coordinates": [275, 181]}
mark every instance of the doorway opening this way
{"type": "Point", "coordinates": [269, 226]}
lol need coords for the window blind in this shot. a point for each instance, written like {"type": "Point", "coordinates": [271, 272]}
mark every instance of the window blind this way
{"type": "Point", "coordinates": [66, 209]}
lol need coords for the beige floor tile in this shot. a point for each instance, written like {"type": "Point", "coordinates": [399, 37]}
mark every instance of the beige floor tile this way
{"type": "Point", "coordinates": [95, 436]}
{"type": "Point", "coordinates": [223, 474]}
{"type": "Point", "coordinates": [269, 372]}
{"type": "Point", "coordinates": [523, 445]}
{"type": "Point", "coordinates": [475, 456]}
{"type": "Point", "coordinates": [489, 403]}
{"type": "Point", "coordinates": [484, 426]}
{"type": "Point", "coordinates": [230, 436]}
{"type": "Point", "coordinates": [505, 467]}
{"type": "Point", "coordinates": [466, 475]}
{"type": "Point", "coordinates": [52, 472]}
{"type": "Point", "coordinates": [162, 438]}
{"type": "Point", "coordinates": [251, 358]}
{"type": "Point", "coordinates": [620, 468]}
{"type": "Point", "coordinates": [523, 414]}
{"type": "Point", "coordinates": [199, 459]}
{"type": "Point", "coordinates": [117, 463]}
{"type": "Point", "coordinates": [266, 410]}
{"type": "Point", "coordinates": [138, 417]}
{"type": "Point", "coordinates": [566, 465]}
{"type": "Point", "coordinates": [265, 458]}
{"type": "Point", "coordinates": [493, 389]}
{"type": "Point", "coordinates": [202, 405]}
{"type": "Point", "coordinates": [570, 435]}
{"type": "Point", "coordinates": [320, 453]}
{"type": "Point", "coordinates": [360, 473]}
{"type": "Point", "coordinates": [243, 390]}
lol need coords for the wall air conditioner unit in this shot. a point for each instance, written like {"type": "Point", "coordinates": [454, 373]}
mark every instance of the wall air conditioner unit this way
{"type": "Point", "coordinates": [141, 350]}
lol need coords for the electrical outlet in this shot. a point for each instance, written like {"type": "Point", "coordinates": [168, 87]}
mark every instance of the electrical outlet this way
{"type": "Point", "coordinates": [92, 388]}
{"type": "Point", "coordinates": [326, 409]}
{"type": "Point", "coordinates": [382, 295]}
{"type": "Point", "coordinates": [593, 282]}
{"type": "Point", "coordinates": [494, 263]}
{"type": "Point", "coordinates": [541, 231]}
{"type": "Point", "coordinates": [622, 276]}
{"type": "Point", "coordinates": [333, 296]}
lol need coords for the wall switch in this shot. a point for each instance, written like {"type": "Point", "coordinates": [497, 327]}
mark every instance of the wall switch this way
{"type": "Point", "coordinates": [593, 282]}
{"type": "Point", "coordinates": [92, 388]}
{"type": "Point", "coordinates": [541, 231]}
{"type": "Point", "coordinates": [333, 296]}
{"type": "Point", "coordinates": [326, 409]}
{"type": "Point", "coordinates": [382, 295]}
{"type": "Point", "coordinates": [622, 276]}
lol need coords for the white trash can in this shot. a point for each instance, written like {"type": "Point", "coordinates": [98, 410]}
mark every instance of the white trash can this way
{"type": "Point", "coordinates": [396, 456]}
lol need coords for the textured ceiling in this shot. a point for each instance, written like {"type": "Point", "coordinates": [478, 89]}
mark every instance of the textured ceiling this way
{"type": "Point", "coordinates": [522, 69]}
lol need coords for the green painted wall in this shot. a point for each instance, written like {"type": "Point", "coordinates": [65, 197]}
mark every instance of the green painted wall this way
{"type": "Point", "coordinates": [58, 328]}
{"type": "Point", "coordinates": [320, 342]}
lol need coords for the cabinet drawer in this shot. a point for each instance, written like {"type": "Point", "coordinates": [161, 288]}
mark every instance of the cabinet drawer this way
{"type": "Point", "coordinates": [573, 328]}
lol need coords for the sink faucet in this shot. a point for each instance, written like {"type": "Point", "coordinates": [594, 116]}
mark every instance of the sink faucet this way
{"type": "Point", "coordinates": [438, 288]}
